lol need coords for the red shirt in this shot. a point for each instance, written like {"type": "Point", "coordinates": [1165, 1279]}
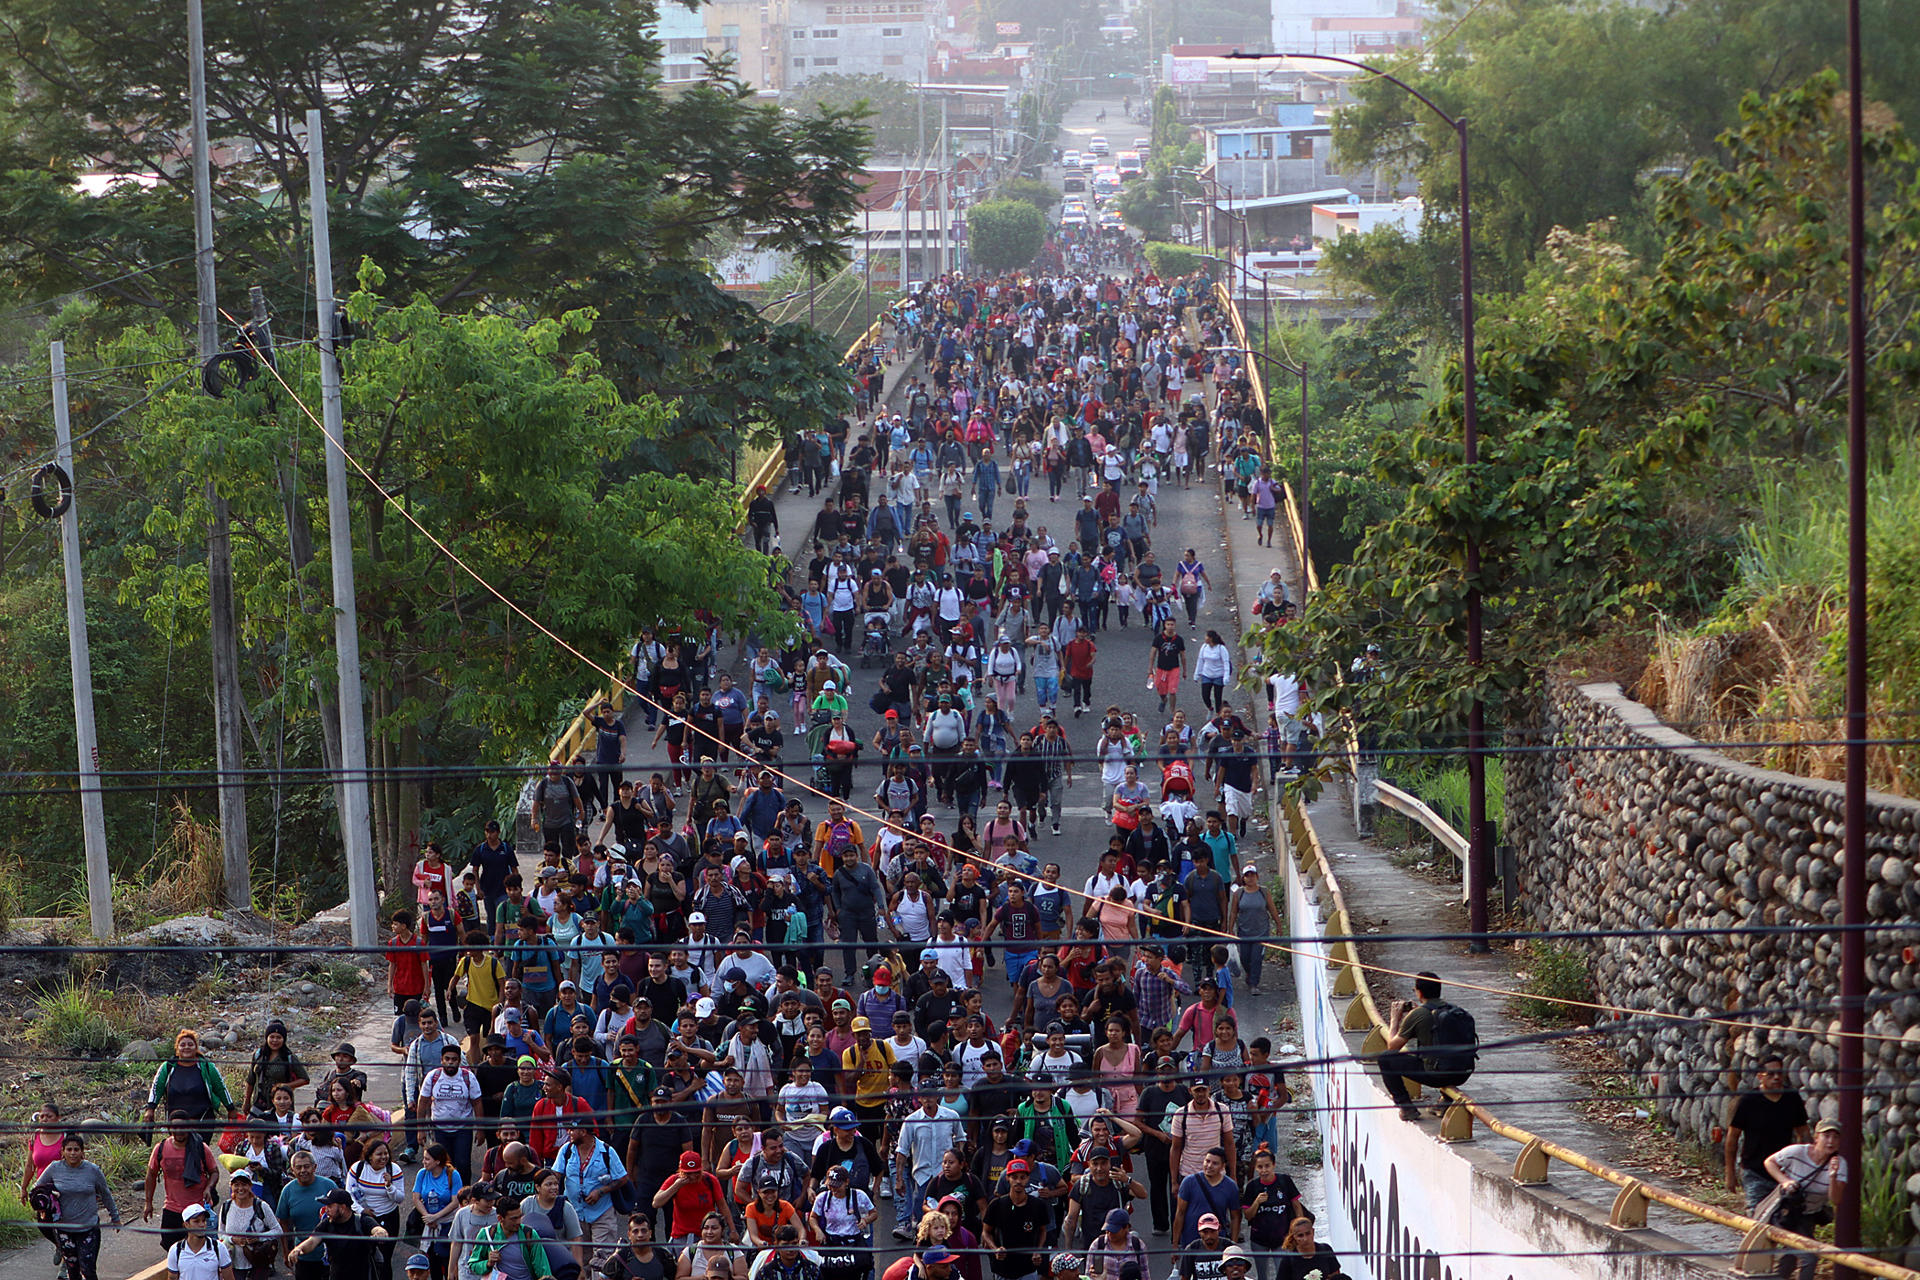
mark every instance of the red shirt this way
{"type": "Point", "coordinates": [404, 970]}
{"type": "Point", "coordinates": [693, 1200]}
{"type": "Point", "coordinates": [543, 1134]}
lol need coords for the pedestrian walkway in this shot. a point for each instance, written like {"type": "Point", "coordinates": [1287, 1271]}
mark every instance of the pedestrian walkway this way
{"type": "Point", "coordinates": [1529, 1085]}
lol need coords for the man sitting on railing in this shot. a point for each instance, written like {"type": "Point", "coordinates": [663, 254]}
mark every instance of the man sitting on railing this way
{"type": "Point", "coordinates": [1443, 1037]}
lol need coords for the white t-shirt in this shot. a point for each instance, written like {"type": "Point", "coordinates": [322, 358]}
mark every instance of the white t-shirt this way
{"type": "Point", "coordinates": [1283, 691]}
{"type": "Point", "coordinates": [798, 1101]}
{"type": "Point", "coordinates": [953, 958]}
{"type": "Point", "coordinates": [204, 1263]}
{"type": "Point", "coordinates": [1797, 1162]}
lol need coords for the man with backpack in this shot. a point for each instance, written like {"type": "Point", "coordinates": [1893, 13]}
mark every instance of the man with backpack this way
{"type": "Point", "coordinates": [1442, 1037]}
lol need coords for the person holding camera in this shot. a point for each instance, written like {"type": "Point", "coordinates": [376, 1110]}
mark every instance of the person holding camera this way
{"type": "Point", "coordinates": [1810, 1176]}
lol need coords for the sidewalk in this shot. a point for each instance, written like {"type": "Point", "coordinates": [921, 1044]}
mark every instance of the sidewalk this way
{"type": "Point", "coordinates": [1529, 1085]}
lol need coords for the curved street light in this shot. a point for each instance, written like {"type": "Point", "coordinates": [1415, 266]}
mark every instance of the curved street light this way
{"type": "Point", "coordinates": [1478, 841]}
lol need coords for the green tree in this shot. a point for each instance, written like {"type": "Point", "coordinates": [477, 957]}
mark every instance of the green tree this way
{"type": "Point", "coordinates": [1573, 105]}
{"type": "Point", "coordinates": [494, 154]}
{"type": "Point", "coordinates": [1005, 234]}
{"type": "Point", "coordinates": [495, 438]}
{"type": "Point", "coordinates": [1042, 196]}
{"type": "Point", "coordinates": [1630, 407]}
{"type": "Point", "coordinates": [1169, 260]}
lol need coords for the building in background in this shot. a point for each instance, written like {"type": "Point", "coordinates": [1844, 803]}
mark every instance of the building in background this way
{"type": "Point", "coordinates": [731, 27]}
{"type": "Point", "coordinates": [807, 38]}
{"type": "Point", "coordinates": [1331, 221]}
{"type": "Point", "coordinates": [1351, 28]}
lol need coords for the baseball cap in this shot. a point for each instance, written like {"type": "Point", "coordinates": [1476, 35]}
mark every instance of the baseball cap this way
{"type": "Point", "coordinates": [842, 1118]}
{"type": "Point", "coordinates": [239, 1175]}
{"type": "Point", "coordinates": [767, 1180]}
{"type": "Point", "coordinates": [883, 976]}
{"type": "Point", "coordinates": [936, 1255]}
{"type": "Point", "coordinates": [1234, 1253]}
{"type": "Point", "coordinates": [418, 1262]}
{"type": "Point", "coordinates": [690, 1161]}
{"type": "Point", "coordinates": [861, 1024]}
{"type": "Point", "coordinates": [338, 1195]}
{"type": "Point", "coordinates": [1100, 1153]}
{"type": "Point", "coordinates": [569, 985]}
{"type": "Point", "coordinates": [200, 1210]}
{"type": "Point", "coordinates": [698, 917]}
{"type": "Point", "coordinates": [1208, 1220]}
{"type": "Point", "coordinates": [735, 974]}
{"type": "Point", "coordinates": [704, 1006]}
{"type": "Point", "coordinates": [663, 1094]}
{"type": "Point", "coordinates": [1019, 1166]}
{"type": "Point", "coordinates": [1023, 1147]}
{"type": "Point", "coordinates": [1118, 1220]}
{"type": "Point", "coordinates": [1066, 1263]}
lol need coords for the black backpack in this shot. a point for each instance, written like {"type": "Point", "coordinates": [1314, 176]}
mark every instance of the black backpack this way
{"type": "Point", "coordinates": [1454, 1039]}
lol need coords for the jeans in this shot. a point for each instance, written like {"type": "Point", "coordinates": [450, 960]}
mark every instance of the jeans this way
{"type": "Point", "coordinates": [1759, 1184]}
{"type": "Point", "coordinates": [1022, 477]}
{"type": "Point", "coordinates": [1397, 1068]}
{"type": "Point", "coordinates": [953, 511]}
{"type": "Point", "coordinates": [865, 929]}
{"type": "Point", "coordinates": [459, 1144]}
{"type": "Point", "coordinates": [985, 498]}
{"type": "Point", "coordinates": [1046, 691]}
{"type": "Point", "coordinates": [967, 802]}
{"type": "Point", "coordinates": [1253, 956]}
{"type": "Point", "coordinates": [1159, 1183]}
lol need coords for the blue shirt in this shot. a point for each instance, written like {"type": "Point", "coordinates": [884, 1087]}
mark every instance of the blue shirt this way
{"type": "Point", "coordinates": [299, 1207]}
{"type": "Point", "coordinates": [590, 1174]}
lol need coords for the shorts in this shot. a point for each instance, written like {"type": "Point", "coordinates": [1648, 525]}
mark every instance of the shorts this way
{"type": "Point", "coordinates": [1238, 803]}
{"type": "Point", "coordinates": [1016, 962]}
{"type": "Point", "coordinates": [1166, 681]}
{"type": "Point", "coordinates": [1263, 516]}
{"type": "Point", "coordinates": [474, 1018]}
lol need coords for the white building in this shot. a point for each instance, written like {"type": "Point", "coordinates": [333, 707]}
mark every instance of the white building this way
{"type": "Point", "coordinates": [1351, 28]}
{"type": "Point", "coordinates": [808, 38]}
{"type": "Point", "coordinates": [1331, 221]}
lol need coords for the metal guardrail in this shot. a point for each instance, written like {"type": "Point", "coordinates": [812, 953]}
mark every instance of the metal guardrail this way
{"type": "Point", "coordinates": [1296, 532]}
{"type": "Point", "coordinates": [580, 732]}
{"type": "Point", "coordinates": [1408, 805]}
{"type": "Point", "coordinates": [1759, 1241]}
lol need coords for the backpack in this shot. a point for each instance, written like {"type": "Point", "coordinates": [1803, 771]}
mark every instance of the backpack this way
{"type": "Point", "coordinates": [1454, 1038]}
{"type": "Point", "coordinates": [839, 837]}
{"type": "Point", "coordinates": [1189, 584]}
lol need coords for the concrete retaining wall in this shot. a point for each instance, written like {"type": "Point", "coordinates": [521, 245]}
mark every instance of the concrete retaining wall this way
{"type": "Point", "coordinates": [1636, 826]}
{"type": "Point", "coordinates": [1402, 1205]}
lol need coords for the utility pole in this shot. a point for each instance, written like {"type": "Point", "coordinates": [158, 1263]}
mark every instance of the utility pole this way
{"type": "Point", "coordinates": [355, 820]}
{"type": "Point", "coordinates": [222, 632]}
{"type": "Point", "coordinates": [946, 235]}
{"type": "Point", "coordinates": [93, 818]}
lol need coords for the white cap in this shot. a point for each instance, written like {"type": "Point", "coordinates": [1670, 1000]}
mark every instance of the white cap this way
{"type": "Point", "coordinates": [1250, 870]}
{"type": "Point", "coordinates": [698, 917]}
{"type": "Point", "coordinates": [703, 1007]}
{"type": "Point", "coordinates": [829, 685]}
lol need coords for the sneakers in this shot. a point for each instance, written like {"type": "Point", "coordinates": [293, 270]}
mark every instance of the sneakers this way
{"type": "Point", "coordinates": [1056, 828]}
{"type": "Point", "coordinates": [1409, 1113]}
{"type": "Point", "coordinates": [886, 1191]}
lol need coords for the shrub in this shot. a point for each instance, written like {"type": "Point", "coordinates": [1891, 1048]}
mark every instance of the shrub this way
{"type": "Point", "coordinates": [79, 1019]}
{"type": "Point", "coordinates": [1552, 973]}
{"type": "Point", "coordinates": [1169, 260]}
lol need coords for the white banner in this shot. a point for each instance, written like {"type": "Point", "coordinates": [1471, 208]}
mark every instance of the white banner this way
{"type": "Point", "coordinates": [1189, 71]}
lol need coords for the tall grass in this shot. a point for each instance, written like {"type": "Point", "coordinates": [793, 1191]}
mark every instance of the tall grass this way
{"type": "Point", "coordinates": [1445, 789]}
{"type": "Point", "coordinates": [80, 1018]}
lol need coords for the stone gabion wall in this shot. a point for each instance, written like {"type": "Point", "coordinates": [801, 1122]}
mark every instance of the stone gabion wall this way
{"type": "Point", "coordinates": [1664, 835]}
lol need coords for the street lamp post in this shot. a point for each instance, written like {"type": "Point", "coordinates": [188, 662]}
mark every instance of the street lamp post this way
{"type": "Point", "coordinates": [1305, 498]}
{"type": "Point", "coordinates": [1480, 844]}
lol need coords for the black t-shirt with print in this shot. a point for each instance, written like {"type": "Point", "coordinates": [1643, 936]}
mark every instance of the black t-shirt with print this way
{"type": "Point", "coordinates": [1167, 651]}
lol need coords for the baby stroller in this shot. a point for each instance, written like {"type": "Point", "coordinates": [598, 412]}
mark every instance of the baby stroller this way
{"type": "Point", "coordinates": [874, 642]}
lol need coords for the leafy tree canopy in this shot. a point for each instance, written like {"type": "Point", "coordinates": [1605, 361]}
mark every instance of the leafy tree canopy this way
{"type": "Point", "coordinates": [487, 155]}
{"type": "Point", "coordinates": [1574, 104]}
{"type": "Point", "coordinates": [1631, 406]}
{"type": "Point", "coordinates": [1005, 234]}
{"type": "Point", "coordinates": [890, 107]}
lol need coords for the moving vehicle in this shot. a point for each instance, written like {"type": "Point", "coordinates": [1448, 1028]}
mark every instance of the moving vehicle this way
{"type": "Point", "coordinates": [1070, 159]}
{"type": "Point", "coordinates": [1110, 220]}
{"type": "Point", "coordinates": [1074, 181]}
{"type": "Point", "coordinates": [1074, 218]}
{"type": "Point", "coordinates": [1097, 145]}
{"type": "Point", "coordinates": [1128, 163]}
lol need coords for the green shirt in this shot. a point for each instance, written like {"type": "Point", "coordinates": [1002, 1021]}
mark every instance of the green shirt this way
{"type": "Point", "coordinates": [628, 1089]}
{"type": "Point", "coordinates": [525, 1237]}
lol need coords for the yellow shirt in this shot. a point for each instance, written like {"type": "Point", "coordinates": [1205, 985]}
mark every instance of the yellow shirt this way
{"type": "Point", "coordinates": [484, 980]}
{"type": "Point", "coordinates": [875, 1071]}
